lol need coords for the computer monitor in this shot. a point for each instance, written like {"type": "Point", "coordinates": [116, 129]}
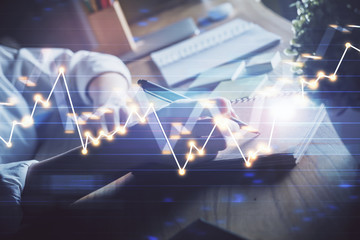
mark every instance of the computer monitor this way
{"type": "Point", "coordinates": [140, 9]}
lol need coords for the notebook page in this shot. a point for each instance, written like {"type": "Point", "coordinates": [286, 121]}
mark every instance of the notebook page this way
{"type": "Point", "coordinates": [286, 124]}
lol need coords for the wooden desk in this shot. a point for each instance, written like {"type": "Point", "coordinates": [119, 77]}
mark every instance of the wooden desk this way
{"type": "Point", "coordinates": [311, 201]}
{"type": "Point", "coordinates": [249, 10]}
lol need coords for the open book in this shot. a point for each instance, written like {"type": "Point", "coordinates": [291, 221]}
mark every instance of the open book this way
{"type": "Point", "coordinates": [287, 122]}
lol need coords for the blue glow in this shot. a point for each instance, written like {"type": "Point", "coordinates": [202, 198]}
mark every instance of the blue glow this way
{"type": "Point", "coordinates": [299, 211]}
{"type": "Point", "coordinates": [180, 220]}
{"type": "Point", "coordinates": [144, 10]}
{"type": "Point", "coordinates": [142, 24]}
{"type": "Point", "coordinates": [307, 219]}
{"type": "Point", "coordinates": [238, 198]}
{"type": "Point", "coordinates": [221, 221]}
{"type": "Point", "coordinates": [345, 185]}
{"type": "Point", "coordinates": [48, 9]}
{"type": "Point", "coordinates": [354, 197]}
{"type": "Point", "coordinates": [36, 18]}
{"type": "Point", "coordinates": [205, 208]}
{"type": "Point", "coordinates": [152, 238]}
{"type": "Point", "coordinates": [249, 174]}
{"type": "Point", "coordinates": [153, 19]}
{"type": "Point", "coordinates": [168, 199]}
{"type": "Point", "coordinates": [168, 223]}
{"type": "Point", "coordinates": [333, 207]}
{"type": "Point", "coordinates": [258, 181]}
{"type": "Point", "coordinates": [295, 228]}
{"type": "Point", "coordinates": [74, 182]}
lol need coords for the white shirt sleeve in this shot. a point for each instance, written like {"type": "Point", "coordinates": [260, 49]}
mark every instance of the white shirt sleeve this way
{"type": "Point", "coordinates": [12, 182]}
{"type": "Point", "coordinates": [96, 64]}
{"type": "Point", "coordinates": [80, 67]}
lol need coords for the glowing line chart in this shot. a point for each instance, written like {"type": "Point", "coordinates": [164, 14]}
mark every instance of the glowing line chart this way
{"type": "Point", "coordinates": [194, 150]}
{"type": "Point", "coordinates": [313, 84]}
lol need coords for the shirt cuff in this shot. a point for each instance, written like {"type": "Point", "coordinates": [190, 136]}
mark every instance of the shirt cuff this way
{"type": "Point", "coordinates": [97, 64]}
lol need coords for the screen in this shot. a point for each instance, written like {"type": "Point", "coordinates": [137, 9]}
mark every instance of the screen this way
{"type": "Point", "coordinates": [140, 9]}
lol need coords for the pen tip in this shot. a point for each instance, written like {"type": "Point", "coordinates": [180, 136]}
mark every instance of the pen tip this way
{"type": "Point", "coordinates": [250, 129]}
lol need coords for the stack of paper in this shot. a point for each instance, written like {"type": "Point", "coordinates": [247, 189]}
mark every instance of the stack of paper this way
{"type": "Point", "coordinates": [263, 63]}
{"type": "Point", "coordinates": [287, 125]}
{"type": "Point", "coordinates": [243, 87]}
{"type": "Point", "coordinates": [227, 72]}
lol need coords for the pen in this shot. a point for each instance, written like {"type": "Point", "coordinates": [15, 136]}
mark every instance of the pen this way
{"type": "Point", "coordinates": [170, 96]}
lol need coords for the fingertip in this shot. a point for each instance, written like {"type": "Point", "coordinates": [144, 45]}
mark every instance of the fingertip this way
{"type": "Point", "coordinates": [221, 101]}
{"type": "Point", "coordinates": [223, 104]}
{"type": "Point", "coordinates": [231, 126]}
{"type": "Point", "coordinates": [233, 114]}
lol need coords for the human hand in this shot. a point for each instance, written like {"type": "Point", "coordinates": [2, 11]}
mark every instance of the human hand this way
{"type": "Point", "coordinates": [197, 127]}
{"type": "Point", "coordinates": [109, 94]}
{"type": "Point", "coordinates": [190, 130]}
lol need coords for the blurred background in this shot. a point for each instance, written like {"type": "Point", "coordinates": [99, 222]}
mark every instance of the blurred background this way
{"type": "Point", "coordinates": [59, 23]}
{"type": "Point", "coordinates": [62, 23]}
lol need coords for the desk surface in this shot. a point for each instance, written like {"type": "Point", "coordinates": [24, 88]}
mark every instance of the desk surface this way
{"type": "Point", "coordinates": [249, 10]}
{"type": "Point", "coordinates": [310, 201]}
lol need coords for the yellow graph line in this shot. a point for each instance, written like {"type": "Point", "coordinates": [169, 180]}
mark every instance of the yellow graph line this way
{"type": "Point", "coordinates": [194, 150]}
{"type": "Point", "coordinates": [27, 121]}
{"type": "Point", "coordinates": [313, 84]}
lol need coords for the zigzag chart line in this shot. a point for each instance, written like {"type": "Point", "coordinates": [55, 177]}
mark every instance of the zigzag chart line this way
{"type": "Point", "coordinates": [313, 84]}
{"type": "Point", "coordinates": [28, 121]}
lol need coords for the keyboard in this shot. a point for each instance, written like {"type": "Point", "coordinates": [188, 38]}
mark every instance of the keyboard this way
{"type": "Point", "coordinates": [230, 41]}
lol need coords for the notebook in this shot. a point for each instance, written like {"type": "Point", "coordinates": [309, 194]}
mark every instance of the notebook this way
{"type": "Point", "coordinates": [287, 124]}
{"type": "Point", "coordinates": [230, 41]}
{"type": "Point", "coordinates": [227, 72]}
{"type": "Point", "coordinates": [243, 70]}
{"type": "Point", "coordinates": [263, 63]}
{"type": "Point", "coordinates": [246, 86]}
